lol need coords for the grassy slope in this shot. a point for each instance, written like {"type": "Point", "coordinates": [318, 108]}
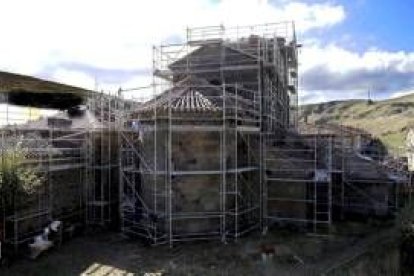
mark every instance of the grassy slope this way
{"type": "Point", "coordinates": [389, 119]}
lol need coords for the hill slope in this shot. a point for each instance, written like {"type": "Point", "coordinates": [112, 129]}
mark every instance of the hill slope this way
{"type": "Point", "coordinates": [388, 120]}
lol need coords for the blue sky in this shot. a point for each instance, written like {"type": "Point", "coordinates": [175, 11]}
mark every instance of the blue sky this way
{"type": "Point", "coordinates": [384, 24]}
{"type": "Point", "coordinates": [349, 47]}
{"type": "Point", "coordinates": [381, 28]}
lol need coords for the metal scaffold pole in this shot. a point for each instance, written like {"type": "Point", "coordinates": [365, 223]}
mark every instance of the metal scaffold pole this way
{"type": "Point", "coordinates": [218, 81]}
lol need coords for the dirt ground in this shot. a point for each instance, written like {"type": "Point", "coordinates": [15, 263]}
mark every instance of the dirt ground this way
{"type": "Point", "coordinates": [112, 254]}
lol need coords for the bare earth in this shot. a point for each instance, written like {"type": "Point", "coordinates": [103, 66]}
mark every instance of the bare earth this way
{"type": "Point", "coordinates": [111, 254]}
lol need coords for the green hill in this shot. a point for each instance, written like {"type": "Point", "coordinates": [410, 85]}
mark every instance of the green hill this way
{"type": "Point", "coordinates": [389, 120]}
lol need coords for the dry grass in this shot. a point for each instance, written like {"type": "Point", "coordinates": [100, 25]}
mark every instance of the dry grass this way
{"type": "Point", "coordinates": [388, 120]}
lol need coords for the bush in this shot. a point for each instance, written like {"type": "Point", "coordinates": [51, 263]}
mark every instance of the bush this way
{"type": "Point", "coordinates": [17, 181]}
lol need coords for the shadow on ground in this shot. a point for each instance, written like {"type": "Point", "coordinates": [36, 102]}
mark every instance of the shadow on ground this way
{"type": "Point", "coordinates": [111, 254]}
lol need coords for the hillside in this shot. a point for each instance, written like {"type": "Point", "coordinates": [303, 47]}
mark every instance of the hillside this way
{"type": "Point", "coordinates": [388, 120]}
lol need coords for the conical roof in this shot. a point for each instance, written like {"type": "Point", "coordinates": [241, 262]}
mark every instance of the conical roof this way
{"type": "Point", "coordinates": [189, 95]}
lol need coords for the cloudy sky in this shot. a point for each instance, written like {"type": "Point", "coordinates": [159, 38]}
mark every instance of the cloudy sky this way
{"type": "Point", "coordinates": [349, 46]}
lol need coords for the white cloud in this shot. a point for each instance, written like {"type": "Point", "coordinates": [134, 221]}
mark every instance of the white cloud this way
{"type": "Point", "coordinates": [118, 34]}
{"type": "Point", "coordinates": [340, 60]}
{"type": "Point", "coordinates": [333, 72]}
{"type": "Point", "coordinates": [39, 36]}
{"type": "Point", "coordinates": [319, 96]}
{"type": "Point", "coordinates": [74, 77]}
{"type": "Point", "coordinates": [138, 88]}
{"type": "Point", "coordinates": [314, 16]}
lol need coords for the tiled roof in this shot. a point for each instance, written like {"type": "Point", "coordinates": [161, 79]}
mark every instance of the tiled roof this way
{"type": "Point", "coordinates": [189, 95]}
{"type": "Point", "coordinates": [190, 100]}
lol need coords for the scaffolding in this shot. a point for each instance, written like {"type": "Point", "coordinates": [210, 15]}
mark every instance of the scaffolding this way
{"type": "Point", "coordinates": [56, 155]}
{"type": "Point", "coordinates": [317, 174]}
{"type": "Point", "coordinates": [212, 151]}
{"type": "Point", "coordinates": [298, 182]}
{"type": "Point", "coordinates": [366, 178]}
{"type": "Point", "coordinates": [75, 155]}
{"type": "Point", "coordinates": [102, 158]}
{"type": "Point", "coordinates": [216, 96]}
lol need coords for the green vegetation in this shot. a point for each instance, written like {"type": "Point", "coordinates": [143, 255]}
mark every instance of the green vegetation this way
{"type": "Point", "coordinates": [389, 120]}
{"type": "Point", "coordinates": [17, 182]}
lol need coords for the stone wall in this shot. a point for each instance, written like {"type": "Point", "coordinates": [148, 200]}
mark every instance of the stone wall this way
{"type": "Point", "coordinates": [67, 188]}
{"type": "Point", "coordinates": [196, 197]}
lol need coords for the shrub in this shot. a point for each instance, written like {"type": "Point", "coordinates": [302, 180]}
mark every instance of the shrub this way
{"type": "Point", "coordinates": [18, 182]}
